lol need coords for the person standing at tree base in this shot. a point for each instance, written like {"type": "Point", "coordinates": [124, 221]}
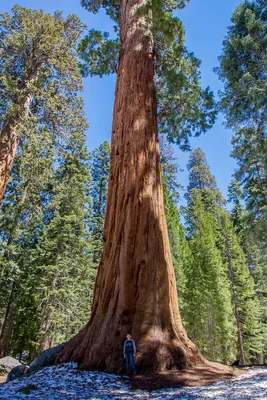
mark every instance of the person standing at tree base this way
{"type": "Point", "coordinates": [129, 350]}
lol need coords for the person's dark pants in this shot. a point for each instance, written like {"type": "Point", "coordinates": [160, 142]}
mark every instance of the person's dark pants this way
{"type": "Point", "coordinates": [130, 362]}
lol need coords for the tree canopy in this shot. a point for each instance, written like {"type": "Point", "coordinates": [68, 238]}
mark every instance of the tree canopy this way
{"type": "Point", "coordinates": [184, 108]}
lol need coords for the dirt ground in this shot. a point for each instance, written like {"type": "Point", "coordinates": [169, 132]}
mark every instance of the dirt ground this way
{"type": "Point", "coordinates": [3, 378]}
{"type": "Point", "coordinates": [198, 376]}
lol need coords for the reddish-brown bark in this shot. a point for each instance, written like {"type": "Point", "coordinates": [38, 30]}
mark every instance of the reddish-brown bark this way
{"type": "Point", "coordinates": [8, 148]}
{"type": "Point", "coordinates": [135, 290]}
{"type": "Point", "coordinates": [10, 135]}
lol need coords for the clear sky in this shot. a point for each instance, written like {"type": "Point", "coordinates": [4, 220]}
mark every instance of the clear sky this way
{"type": "Point", "coordinates": [206, 23]}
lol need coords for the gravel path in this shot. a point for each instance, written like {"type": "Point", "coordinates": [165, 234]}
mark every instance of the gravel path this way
{"type": "Point", "coordinates": [66, 382]}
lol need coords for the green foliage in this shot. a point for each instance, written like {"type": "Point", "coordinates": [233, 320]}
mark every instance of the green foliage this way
{"type": "Point", "coordinates": [243, 288]}
{"type": "Point", "coordinates": [113, 7]}
{"type": "Point", "coordinates": [46, 252]}
{"type": "Point", "coordinates": [210, 322]}
{"type": "Point", "coordinates": [235, 196]}
{"type": "Point", "coordinates": [180, 251]}
{"type": "Point", "coordinates": [242, 68]}
{"type": "Point", "coordinates": [184, 108]}
{"type": "Point", "coordinates": [22, 220]}
{"type": "Point", "coordinates": [178, 243]}
{"type": "Point", "coordinates": [51, 222]}
{"type": "Point", "coordinates": [170, 168]}
{"type": "Point", "coordinates": [255, 253]}
{"type": "Point", "coordinates": [38, 62]}
{"type": "Point", "coordinates": [203, 194]}
{"type": "Point", "coordinates": [100, 54]}
{"type": "Point", "coordinates": [100, 165]}
{"type": "Point", "coordinates": [48, 243]}
{"type": "Point", "coordinates": [243, 65]}
{"type": "Point", "coordinates": [65, 252]}
{"type": "Point", "coordinates": [200, 176]}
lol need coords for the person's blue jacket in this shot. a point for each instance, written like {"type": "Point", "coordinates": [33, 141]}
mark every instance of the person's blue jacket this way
{"type": "Point", "coordinates": [134, 346]}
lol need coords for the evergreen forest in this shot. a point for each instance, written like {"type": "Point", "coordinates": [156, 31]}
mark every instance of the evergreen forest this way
{"type": "Point", "coordinates": [55, 193]}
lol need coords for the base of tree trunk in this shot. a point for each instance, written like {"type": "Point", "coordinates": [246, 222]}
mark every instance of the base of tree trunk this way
{"type": "Point", "coordinates": [153, 356]}
{"type": "Point", "coordinates": [159, 365]}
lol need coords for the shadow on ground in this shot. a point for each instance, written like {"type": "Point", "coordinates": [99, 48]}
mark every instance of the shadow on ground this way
{"type": "Point", "coordinates": [198, 376]}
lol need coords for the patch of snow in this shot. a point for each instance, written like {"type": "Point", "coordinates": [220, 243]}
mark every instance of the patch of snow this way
{"type": "Point", "coordinates": [66, 382]}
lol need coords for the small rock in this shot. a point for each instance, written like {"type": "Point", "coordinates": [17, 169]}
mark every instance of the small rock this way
{"type": "Point", "coordinates": [7, 364]}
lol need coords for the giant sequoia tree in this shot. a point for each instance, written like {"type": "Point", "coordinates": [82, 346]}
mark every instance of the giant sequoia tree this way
{"type": "Point", "coordinates": [39, 79]}
{"type": "Point", "coordinates": [135, 288]}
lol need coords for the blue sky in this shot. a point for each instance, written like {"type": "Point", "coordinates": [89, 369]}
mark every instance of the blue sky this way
{"type": "Point", "coordinates": [206, 23]}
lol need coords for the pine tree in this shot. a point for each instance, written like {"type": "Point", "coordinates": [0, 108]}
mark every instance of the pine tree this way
{"type": "Point", "coordinates": [243, 70]}
{"type": "Point", "coordinates": [179, 246]}
{"type": "Point", "coordinates": [200, 176]}
{"type": "Point", "coordinates": [170, 167]}
{"type": "Point", "coordinates": [209, 317]}
{"type": "Point", "coordinates": [65, 252]}
{"type": "Point", "coordinates": [245, 306]}
{"type": "Point", "coordinates": [31, 216]}
{"type": "Point", "coordinates": [255, 256]}
{"type": "Point", "coordinates": [49, 273]}
{"type": "Point", "coordinates": [24, 336]}
{"type": "Point", "coordinates": [22, 219]}
{"type": "Point", "coordinates": [235, 196]}
{"type": "Point", "coordinates": [100, 165]}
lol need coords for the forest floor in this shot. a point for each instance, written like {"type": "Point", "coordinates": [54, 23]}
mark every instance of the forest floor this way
{"type": "Point", "coordinates": [66, 382]}
{"type": "Point", "coordinates": [198, 376]}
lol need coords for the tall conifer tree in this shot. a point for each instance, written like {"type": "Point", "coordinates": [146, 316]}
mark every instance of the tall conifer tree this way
{"type": "Point", "coordinates": [256, 257]}
{"type": "Point", "coordinates": [22, 219]}
{"type": "Point", "coordinates": [65, 251]}
{"type": "Point", "coordinates": [243, 70]}
{"type": "Point", "coordinates": [100, 166]}
{"type": "Point", "coordinates": [209, 314]}
{"type": "Point", "coordinates": [203, 185]}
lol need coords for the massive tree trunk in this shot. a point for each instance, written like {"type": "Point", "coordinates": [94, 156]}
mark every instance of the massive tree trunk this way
{"type": "Point", "coordinates": [135, 290]}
